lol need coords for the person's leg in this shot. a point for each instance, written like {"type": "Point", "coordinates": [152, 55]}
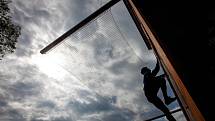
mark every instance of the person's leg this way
{"type": "Point", "coordinates": [160, 105]}
{"type": "Point", "coordinates": [163, 86]}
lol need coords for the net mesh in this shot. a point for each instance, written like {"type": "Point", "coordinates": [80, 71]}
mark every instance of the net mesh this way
{"type": "Point", "coordinates": [95, 48]}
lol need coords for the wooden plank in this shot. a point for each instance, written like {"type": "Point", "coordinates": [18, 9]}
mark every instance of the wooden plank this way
{"type": "Point", "coordinates": [79, 25]}
{"type": "Point", "coordinates": [193, 111]}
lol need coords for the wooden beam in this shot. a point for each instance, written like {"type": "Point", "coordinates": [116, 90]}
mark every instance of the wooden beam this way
{"type": "Point", "coordinates": [79, 25]}
{"type": "Point", "coordinates": [192, 111]}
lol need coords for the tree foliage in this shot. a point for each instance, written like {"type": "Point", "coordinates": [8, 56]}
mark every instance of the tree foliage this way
{"type": "Point", "coordinates": [9, 32]}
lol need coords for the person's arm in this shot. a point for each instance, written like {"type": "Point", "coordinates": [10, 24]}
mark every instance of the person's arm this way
{"type": "Point", "coordinates": [157, 68]}
{"type": "Point", "coordinates": [162, 76]}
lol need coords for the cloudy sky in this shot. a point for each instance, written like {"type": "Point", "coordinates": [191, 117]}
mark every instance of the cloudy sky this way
{"type": "Point", "coordinates": [94, 75]}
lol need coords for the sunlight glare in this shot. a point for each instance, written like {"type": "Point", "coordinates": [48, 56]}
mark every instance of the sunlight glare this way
{"type": "Point", "coordinates": [49, 65]}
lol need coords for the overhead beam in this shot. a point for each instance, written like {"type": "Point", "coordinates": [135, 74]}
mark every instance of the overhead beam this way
{"type": "Point", "coordinates": [79, 25]}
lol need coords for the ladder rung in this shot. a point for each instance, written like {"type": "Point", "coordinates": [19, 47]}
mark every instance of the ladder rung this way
{"type": "Point", "coordinates": [173, 111]}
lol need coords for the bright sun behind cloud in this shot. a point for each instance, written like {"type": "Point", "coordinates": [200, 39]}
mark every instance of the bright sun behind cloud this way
{"type": "Point", "coordinates": [49, 64]}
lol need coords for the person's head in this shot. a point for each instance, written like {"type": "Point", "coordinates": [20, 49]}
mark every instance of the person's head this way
{"type": "Point", "coordinates": [145, 70]}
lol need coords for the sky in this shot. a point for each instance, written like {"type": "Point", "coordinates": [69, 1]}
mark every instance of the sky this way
{"type": "Point", "coordinates": [94, 75]}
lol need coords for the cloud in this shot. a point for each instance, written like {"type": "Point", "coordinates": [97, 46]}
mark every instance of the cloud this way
{"type": "Point", "coordinates": [46, 104]}
{"type": "Point", "coordinates": [122, 115]}
{"type": "Point", "coordinates": [22, 90]}
{"type": "Point", "coordinates": [12, 115]}
{"type": "Point", "coordinates": [3, 103]}
{"type": "Point", "coordinates": [91, 106]}
{"type": "Point", "coordinates": [100, 108]}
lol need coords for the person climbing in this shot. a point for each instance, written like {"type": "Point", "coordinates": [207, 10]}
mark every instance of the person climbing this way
{"type": "Point", "coordinates": [152, 84]}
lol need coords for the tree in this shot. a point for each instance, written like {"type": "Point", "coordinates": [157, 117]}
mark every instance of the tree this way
{"type": "Point", "coordinates": [9, 32]}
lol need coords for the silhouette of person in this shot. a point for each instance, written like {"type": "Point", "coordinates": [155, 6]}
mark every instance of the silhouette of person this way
{"type": "Point", "coordinates": [152, 84]}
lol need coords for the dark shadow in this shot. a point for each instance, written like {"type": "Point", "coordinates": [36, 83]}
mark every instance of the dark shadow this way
{"type": "Point", "coordinates": [152, 84]}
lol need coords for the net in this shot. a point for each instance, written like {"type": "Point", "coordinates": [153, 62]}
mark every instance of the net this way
{"type": "Point", "coordinates": [106, 55]}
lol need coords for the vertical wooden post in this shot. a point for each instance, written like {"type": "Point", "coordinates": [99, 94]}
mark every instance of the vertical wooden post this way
{"type": "Point", "coordinates": [192, 110]}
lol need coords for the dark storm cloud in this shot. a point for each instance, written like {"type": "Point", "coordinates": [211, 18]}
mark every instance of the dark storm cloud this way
{"type": "Point", "coordinates": [62, 119]}
{"type": "Point", "coordinates": [23, 90]}
{"type": "Point", "coordinates": [46, 104]}
{"type": "Point", "coordinates": [100, 104]}
{"type": "Point", "coordinates": [11, 115]}
{"type": "Point", "coordinates": [120, 115]}
{"type": "Point", "coordinates": [3, 103]}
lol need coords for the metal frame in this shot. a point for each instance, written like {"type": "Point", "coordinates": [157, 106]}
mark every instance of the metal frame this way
{"type": "Point", "coordinates": [152, 43]}
{"type": "Point", "coordinates": [160, 116]}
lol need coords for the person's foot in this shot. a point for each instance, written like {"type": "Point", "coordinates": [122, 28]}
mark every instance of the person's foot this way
{"type": "Point", "coordinates": [169, 100]}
